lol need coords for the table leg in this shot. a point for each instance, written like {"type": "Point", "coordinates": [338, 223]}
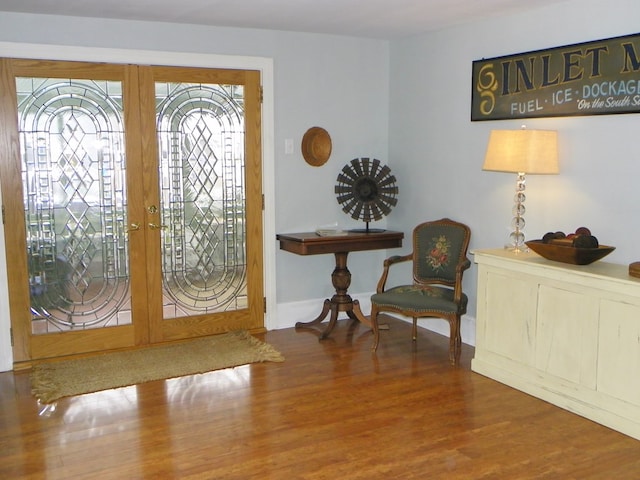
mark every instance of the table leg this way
{"type": "Point", "coordinates": [326, 308]}
{"type": "Point", "coordinates": [333, 319]}
{"type": "Point", "coordinates": [357, 314]}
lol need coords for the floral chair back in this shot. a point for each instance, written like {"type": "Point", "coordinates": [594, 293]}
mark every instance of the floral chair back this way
{"type": "Point", "coordinates": [438, 248]}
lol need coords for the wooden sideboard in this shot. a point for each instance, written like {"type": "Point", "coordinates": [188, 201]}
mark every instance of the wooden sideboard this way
{"type": "Point", "coordinates": [567, 334]}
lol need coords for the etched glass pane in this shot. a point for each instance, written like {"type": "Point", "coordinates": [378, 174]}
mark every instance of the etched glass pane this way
{"type": "Point", "coordinates": [73, 172]}
{"type": "Point", "coordinates": [201, 144]}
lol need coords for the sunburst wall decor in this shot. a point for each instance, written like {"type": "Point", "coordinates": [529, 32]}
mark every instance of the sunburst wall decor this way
{"type": "Point", "coordinates": [366, 190]}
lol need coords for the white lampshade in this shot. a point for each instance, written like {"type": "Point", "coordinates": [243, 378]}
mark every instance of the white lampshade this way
{"type": "Point", "coordinates": [522, 151]}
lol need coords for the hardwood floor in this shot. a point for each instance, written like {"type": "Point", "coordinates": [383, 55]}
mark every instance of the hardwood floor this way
{"type": "Point", "coordinates": [332, 410]}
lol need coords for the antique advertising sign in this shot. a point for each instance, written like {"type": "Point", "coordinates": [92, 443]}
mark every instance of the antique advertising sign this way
{"type": "Point", "coordinates": [592, 78]}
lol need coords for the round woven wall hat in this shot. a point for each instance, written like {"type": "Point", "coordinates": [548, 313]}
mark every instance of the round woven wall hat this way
{"type": "Point", "coordinates": [316, 146]}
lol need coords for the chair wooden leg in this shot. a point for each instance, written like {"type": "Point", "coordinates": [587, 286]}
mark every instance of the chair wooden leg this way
{"type": "Point", "coordinates": [414, 332]}
{"type": "Point", "coordinates": [374, 327]}
{"type": "Point", "coordinates": [455, 340]}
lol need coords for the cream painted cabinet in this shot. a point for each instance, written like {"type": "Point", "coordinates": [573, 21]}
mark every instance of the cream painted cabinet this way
{"type": "Point", "coordinates": [568, 334]}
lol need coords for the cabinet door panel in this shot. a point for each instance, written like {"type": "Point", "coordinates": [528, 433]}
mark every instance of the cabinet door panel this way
{"type": "Point", "coordinates": [510, 326]}
{"type": "Point", "coordinates": [566, 343]}
{"type": "Point", "coordinates": [619, 356]}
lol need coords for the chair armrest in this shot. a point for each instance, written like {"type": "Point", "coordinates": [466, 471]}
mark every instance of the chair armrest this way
{"type": "Point", "coordinates": [385, 271]}
{"type": "Point", "coordinates": [460, 268]}
{"type": "Point", "coordinates": [397, 259]}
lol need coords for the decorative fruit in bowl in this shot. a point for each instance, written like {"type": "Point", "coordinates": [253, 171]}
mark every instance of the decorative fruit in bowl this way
{"type": "Point", "coordinates": [578, 248]}
{"type": "Point", "coordinates": [582, 238]}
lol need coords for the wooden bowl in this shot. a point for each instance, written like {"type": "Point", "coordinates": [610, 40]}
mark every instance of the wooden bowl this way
{"type": "Point", "coordinates": [569, 254]}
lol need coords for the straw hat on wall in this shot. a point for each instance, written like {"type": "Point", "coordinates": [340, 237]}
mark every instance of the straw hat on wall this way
{"type": "Point", "coordinates": [316, 146]}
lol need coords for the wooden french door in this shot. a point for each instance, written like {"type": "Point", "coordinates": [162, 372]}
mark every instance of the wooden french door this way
{"type": "Point", "coordinates": [132, 198]}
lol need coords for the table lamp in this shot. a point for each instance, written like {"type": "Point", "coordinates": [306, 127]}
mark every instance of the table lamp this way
{"type": "Point", "coordinates": [521, 152]}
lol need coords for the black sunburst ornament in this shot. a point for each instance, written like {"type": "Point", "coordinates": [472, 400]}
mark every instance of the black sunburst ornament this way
{"type": "Point", "coordinates": [366, 190]}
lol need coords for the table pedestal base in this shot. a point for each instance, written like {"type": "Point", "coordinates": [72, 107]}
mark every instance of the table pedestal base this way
{"type": "Point", "coordinates": [330, 306]}
{"type": "Point", "coordinates": [341, 301]}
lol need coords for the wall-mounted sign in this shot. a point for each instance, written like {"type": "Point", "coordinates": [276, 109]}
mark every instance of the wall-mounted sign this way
{"type": "Point", "coordinates": [592, 78]}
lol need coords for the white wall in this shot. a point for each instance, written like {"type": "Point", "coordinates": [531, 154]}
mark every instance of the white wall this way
{"type": "Point", "coordinates": [439, 152]}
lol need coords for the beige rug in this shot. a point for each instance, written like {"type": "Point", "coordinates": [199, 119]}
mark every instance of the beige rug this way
{"type": "Point", "coordinates": [55, 380]}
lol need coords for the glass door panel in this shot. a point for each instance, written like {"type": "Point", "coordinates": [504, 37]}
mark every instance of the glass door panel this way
{"type": "Point", "coordinates": [201, 150]}
{"type": "Point", "coordinates": [73, 169]}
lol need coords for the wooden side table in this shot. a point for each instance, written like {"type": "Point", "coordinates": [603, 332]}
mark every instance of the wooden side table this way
{"type": "Point", "coordinates": [310, 243]}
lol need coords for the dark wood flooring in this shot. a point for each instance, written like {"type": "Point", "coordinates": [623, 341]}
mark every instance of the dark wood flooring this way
{"type": "Point", "coordinates": [332, 410]}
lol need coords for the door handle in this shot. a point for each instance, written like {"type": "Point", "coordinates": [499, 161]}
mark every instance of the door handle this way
{"type": "Point", "coordinates": [154, 226]}
{"type": "Point", "coordinates": [134, 227]}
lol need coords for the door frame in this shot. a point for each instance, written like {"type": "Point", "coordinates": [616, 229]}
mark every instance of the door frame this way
{"type": "Point", "coordinates": [150, 57]}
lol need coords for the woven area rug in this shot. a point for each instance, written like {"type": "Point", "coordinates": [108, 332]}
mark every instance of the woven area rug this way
{"type": "Point", "coordinates": [58, 379]}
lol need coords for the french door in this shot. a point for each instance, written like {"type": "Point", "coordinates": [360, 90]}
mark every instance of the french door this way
{"type": "Point", "coordinates": [132, 201]}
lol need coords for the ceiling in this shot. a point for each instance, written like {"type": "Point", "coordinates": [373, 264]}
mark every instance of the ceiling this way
{"type": "Point", "coordinates": [385, 19]}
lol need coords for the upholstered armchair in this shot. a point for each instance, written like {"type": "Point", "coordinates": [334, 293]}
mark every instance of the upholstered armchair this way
{"type": "Point", "coordinates": [439, 260]}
